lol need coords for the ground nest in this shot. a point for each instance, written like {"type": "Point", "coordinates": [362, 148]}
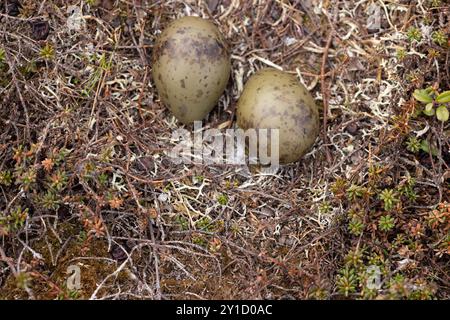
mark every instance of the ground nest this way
{"type": "Point", "coordinates": [85, 180]}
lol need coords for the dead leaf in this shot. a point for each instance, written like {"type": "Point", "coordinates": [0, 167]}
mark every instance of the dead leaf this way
{"type": "Point", "coordinates": [115, 203]}
{"type": "Point", "coordinates": [40, 30]}
{"type": "Point", "coordinates": [13, 8]}
{"type": "Point", "coordinates": [47, 164]}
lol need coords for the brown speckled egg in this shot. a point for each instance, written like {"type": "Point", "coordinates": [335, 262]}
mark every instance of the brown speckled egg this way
{"type": "Point", "coordinates": [191, 67]}
{"type": "Point", "coordinates": [274, 99]}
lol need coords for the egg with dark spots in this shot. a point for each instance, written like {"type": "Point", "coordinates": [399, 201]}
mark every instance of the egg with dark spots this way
{"type": "Point", "coordinates": [274, 99]}
{"type": "Point", "coordinates": [189, 56]}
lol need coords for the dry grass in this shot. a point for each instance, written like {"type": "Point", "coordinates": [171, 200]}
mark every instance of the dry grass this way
{"type": "Point", "coordinates": [84, 137]}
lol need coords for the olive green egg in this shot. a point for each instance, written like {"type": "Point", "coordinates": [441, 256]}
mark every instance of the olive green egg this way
{"type": "Point", "coordinates": [191, 67]}
{"type": "Point", "coordinates": [274, 99]}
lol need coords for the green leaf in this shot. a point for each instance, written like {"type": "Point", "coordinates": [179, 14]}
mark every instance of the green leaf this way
{"type": "Point", "coordinates": [425, 146]}
{"type": "Point", "coordinates": [422, 96]}
{"type": "Point", "coordinates": [444, 97]}
{"type": "Point", "coordinates": [429, 111]}
{"type": "Point", "coordinates": [442, 113]}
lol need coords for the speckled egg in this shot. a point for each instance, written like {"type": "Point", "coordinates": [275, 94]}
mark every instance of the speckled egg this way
{"type": "Point", "coordinates": [274, 99]}
{"type": "Point", "coordinates": [191, 67]}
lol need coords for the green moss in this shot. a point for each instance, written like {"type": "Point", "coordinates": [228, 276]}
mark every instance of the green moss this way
{"type": "Point", "coordinates": [51, 282]}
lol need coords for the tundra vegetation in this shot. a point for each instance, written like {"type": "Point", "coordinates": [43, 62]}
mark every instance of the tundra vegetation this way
{"type": "Point", "coordinates": [85, 179]}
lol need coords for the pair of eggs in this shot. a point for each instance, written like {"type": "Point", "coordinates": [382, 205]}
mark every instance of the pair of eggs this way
{"type": "Point", "coordinates": [191, 68]}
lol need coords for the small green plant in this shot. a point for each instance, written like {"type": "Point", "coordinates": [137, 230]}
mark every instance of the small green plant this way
{"type": "Point", "coordinates": [82, 237]}
{"type": "Point", "coordinates": [325, 207]}
{"type": "Point", "coordinates": [389, 198]}
{"type": "Point", "coordinates": [23, 280]}
{"type": "Point", "coordinates": [104, 65]}
{"type": "Point", "coordinates": [6, 178]}
{"type": "Point", "coordinates": [401, 54]}
{"type": "Point", "coordinates": [204, 224]}
{"type": "Point", "coordinates": [27, 179]}
{"type": "Point", "coordinates": [168, 187]}
{"type": "Point", "coordinates": [356, 226]}
{"type": "Point", "coordinates": [74, 294]}
{"type": "Point", "coordinates": [414, 34]}
{"type": "Point", "coordinates": [222, 199]}
{"type": "Point", "coordinates": [235, 229]}
{"type": "Point", "coordinates": [354, 258]}
{"type": "Point", "coordinates": [107, 155]}
{"type": "Point", "coordinates": [427, 148]}
{"type": "Point", "coordinates": [47, 52]}
{"type": "Point", "coordinates": [347, 281]}
{"type": "Point", "coordinates": [413, 76]}
{"type": "Point", "coordinates": [199, 179]}
{"type": "Point", "coordinates": [103, 179]}
{"type": "Point", "coordinates": [407, 189]}
{"type": "Point", "coordinates": [182, 222]}
{"type": "Point", "coordinates": [13, 221]}
{"type": "Point", "coordinates": [339, 187]}
{"type": "Point", "coordinates": [433, 54]}
{"type": "Point", "coordinates": [439, 37]}
{"type": "Point", "coordinates": [413, 144]}
{"type": "Point", "coordinates": [23, 155]}
{"type": "Point", "coordinates": [50, 201]}
{"type": "Point", "coordinates": [435, 218]}
{"type": "Point", "coordinates": [386, 223]}
{"type": "Point", "coordinates": [354, 192]}
{"type": "Point", "coordinates": [397, 286]}
{"type": "Point", "coordinates": [427, 20]}
{"type": "Point", "coordinates": [317, 293]}
{"type": "Point", "coordinates": [375, 173]}
{"type": "Point", "coordinates": [62, 155]}
{"type": "Point", "coordinates": [58, 180]}
{"type": "Point", "coordinates": [435, 3]}
{"type": "Point", "coordinates": [354, 214]}
{"type": "Point", "coordinates": [68, 294]}
{"type": "Point", "coordinates": [435, 102]}
{"type": "Point", "coordinates": [28, 69]}
{"type": "Point", "coordinates": [200, 240]}
{"type": "Point", "coordinates": [376, 259]}
{"type": "Point", "coordinates": [421, 291]}
{"type": "Point", "coordinates": [2, 58]}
